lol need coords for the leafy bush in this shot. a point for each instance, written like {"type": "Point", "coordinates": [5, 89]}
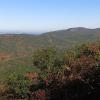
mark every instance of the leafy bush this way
{"type": "Point", "coordinates": [81, 78]}
{"type": "Point", "coordinates": [47, 58]}
{"type": "Point", "coordinates": [18, 85]}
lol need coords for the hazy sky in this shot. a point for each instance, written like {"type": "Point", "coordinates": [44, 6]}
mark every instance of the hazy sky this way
{"type": "Point", "coordinates": [48, 15]}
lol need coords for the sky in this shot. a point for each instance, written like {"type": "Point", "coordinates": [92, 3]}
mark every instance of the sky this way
{"type": "Point", "coordinates": [48, 15]}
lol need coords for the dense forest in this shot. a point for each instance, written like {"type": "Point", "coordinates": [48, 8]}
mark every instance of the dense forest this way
{"type": "Point", "coordinates": [69, 74]}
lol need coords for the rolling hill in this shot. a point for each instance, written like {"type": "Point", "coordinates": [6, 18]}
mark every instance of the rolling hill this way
{"type": "Point", "coordinates": [23, 44]}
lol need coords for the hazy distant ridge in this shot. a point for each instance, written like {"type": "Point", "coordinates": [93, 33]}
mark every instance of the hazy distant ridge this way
{"type": "Point", "coordinates": [24, 44]}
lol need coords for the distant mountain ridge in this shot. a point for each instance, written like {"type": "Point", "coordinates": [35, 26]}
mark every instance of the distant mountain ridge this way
{"type": "Point", "coordinates": [24, 44]}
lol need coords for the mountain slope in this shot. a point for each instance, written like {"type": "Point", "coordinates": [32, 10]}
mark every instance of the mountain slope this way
{"type": "Point", "coordinates": [71, 37]}
{"type": "Point", "coordinates": [24, 44]}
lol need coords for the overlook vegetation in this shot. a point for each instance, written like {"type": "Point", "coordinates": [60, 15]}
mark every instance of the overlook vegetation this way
{"type": "Point", "coordinates": [70, 74]}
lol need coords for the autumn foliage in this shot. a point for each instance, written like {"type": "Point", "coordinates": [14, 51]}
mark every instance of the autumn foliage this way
{"type": "Point", "coordinates": [79, 76]}
{"type": "Point", "coordinates": [72, 75]}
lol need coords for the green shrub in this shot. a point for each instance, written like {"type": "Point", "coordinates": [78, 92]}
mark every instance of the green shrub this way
{"type": "Point", "coordinates": [18, 85]}
{"type": "Point", "coordinates": [47, 58]}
